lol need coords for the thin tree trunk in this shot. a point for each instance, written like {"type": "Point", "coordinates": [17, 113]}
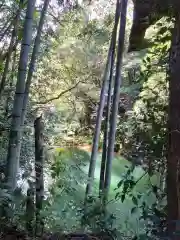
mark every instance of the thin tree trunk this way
{"type": "Point", "coordinates": [12, 159]}
{"type": "Point", "coordinates": [116, 95]}
{"type": "Point", "coordinates": [31, 67]}
{"type": "Point", "coordinates": [173, 158]}
{"type": "Point", "coordinates": [98, 128]}
{"type": "Point", "coordinates": [39, 163]}
{"type": "Point", "coordinates": [33, 59]}
{"type": "Point", "coordinates": [10, 50]}
{"type": "Point", "coordinates": [98, 125]}
{"type": "Point", "coordinates": [30, 209]}
{"type": "Point", "coordinates": [106, 130]}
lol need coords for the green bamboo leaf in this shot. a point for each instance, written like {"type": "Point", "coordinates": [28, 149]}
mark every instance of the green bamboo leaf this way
{"type": "Point", "coordinates": [135, 201]}
{"type": "Point", "coordinates": [133, 210]}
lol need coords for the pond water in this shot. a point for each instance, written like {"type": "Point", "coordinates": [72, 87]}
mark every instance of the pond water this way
{"type": "Point", "coordinates": [124, 219]}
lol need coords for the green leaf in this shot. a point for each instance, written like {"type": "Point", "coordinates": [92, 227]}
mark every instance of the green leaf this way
{"type": "Point", "coordinates": [117, 195]}
{"type": "Point", "coordinates": [132, 183]}
{"type": "Point", "coordinates": [155, 189]}
{"type": "Point", "coordinates": [120, 183]}
{"type": "Point", "coordinates": [123, 198]}
{"type": "Point", "coordinates": [148, 59]}
{"type": "Point", "coordinates": [36, 14]}
{"type": "Point", "coordinates": [139, 195]}
{"type": "Point", "coordinates": [20, 34]}
{"type": "Point", "coordinates": [135, 201]}
{"type": "Point", "coordinates": [133, 210]}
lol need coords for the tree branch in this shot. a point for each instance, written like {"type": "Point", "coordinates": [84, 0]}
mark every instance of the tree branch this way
{"type": "Point", "coordinates": [60, 95]}
{"type": "Point", "coordinates": [55, 18]}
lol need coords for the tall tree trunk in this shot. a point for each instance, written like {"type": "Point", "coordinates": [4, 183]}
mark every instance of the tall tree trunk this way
{"type": "Point", "coordinates": [98, 122]}
{"type": "Point", "coordinates": [11, 47]}
{"type": "Point", "coordinates": [173, 158]}
{"type": "Point", "coordinates": [92, 164]}
{"type": "Point", "coordinates": [31, 69]}
{"type": "Point", "coordinates": [39, 163]}
{"type": "Point", "coordinates": [116, 95]}
{"type": "Point", "coordinates": [14, 137]}
{"type": "Point", "coordinates": [110, 87]}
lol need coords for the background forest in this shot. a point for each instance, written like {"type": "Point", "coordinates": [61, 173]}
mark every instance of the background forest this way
{"type": "Point", "coordinates": [53, 59]}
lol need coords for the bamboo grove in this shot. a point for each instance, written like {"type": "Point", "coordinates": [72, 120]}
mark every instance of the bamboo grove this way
{"type": "Point", "coordinates": [34, 34]}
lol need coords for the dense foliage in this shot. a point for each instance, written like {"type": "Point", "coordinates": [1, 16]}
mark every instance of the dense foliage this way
{"type": "Point", "coordinates": [47, 139]}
